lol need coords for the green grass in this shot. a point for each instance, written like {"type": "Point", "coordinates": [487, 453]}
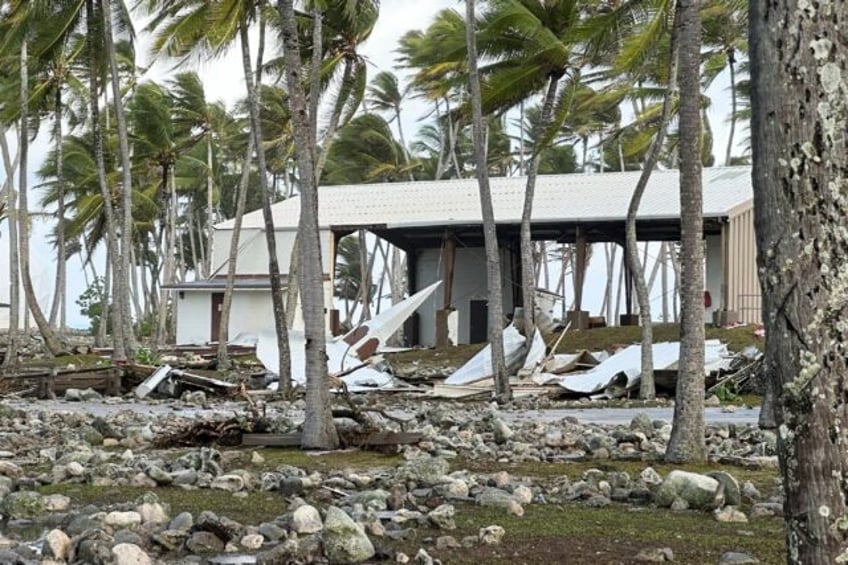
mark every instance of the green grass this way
{"type": "Point", "coordinates": [79, 361]}
{"type": "Point", "coordinates": [325, 462]}
{"type": "Point", "coordinates": [695, 537]}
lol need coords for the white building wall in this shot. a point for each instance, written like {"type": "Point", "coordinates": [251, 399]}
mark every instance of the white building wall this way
{"type": "Point", "coordinates": [194, 316]}
{"type": "Point", "coordinates": [251, 313]}
{"type": "Point", "coordinates": [713, 275]}
{"type": "Point", "coordinates": [469, 284]}
{"type": "Point", "coordinates": [253, 254]}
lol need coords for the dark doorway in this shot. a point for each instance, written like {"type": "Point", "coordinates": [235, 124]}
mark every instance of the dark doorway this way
{"type": "Point", "coordinates": [217, 306]}
{"type": "Point", "coordinates": [479, 322]}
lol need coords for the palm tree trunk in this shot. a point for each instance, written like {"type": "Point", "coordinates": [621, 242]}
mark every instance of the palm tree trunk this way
{"type": "Point", "coordinates": [175, 250]}
{"type": "Point", "coordinates": [647, 389]}
{"type": "Point", "coordinates": [440, 162]}
{"type": "Point", "coordinates": [106, 309]}
{"type": "Point", "coordinates": [241, 204]}
{"type": "Point", "coordinates": [252, 83]}
{"type": "Point", "coordinates": [210, 208]}
{"type": "Point", "coordinates": [57, 311]}
{"type": "Point", "coordinates": [47, 334]}
{"type": "Point", "coordinates": [169, 266]}
{"type": "Point", "coordinates": [123, 268]}
{"type": "Point", "coordinates": [687, 435]}
{"type": "Point", "coordinates": [364, 277]}
{"type": "Point", "coordinates": [521, 138]}
{"type": "Point", "coordinates": [731, 64]}
{"type": "Point", "coordinates": [199, 266]}
{"type": "Point", "coordinates": [664, 280]}
{"type": "Point", "coordinates": [452, 133]}
{"type": "Point", "coordinates": [674, 257]}
{"type": "Point", "coordinates": [319, 430]}
{"type": "Point", "coordinates": [528, 278]}
{"type": "Point", "coordinates": [503, 392]}
{"type": "Point", "coordinates": [293, 290]}
{"type": "Point", "coordinates": [14, 257]}
{"type": "Point", "coordinates": [136, 295]}
{"type": "Point", "coordinates": [403, 140]}
{"type": "Point", "coordinates": [610, 253]}
{"type": "Point", "coordinates": [619, 288]}
{"type": "Point", "coordinates": [93, 23]}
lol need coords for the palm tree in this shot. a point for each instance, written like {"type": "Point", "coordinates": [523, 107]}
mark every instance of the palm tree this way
{"type": "Point", "coordinates": [366, 151]}
{"type": "Point", "coordinates": [385, 95]}
{"type": "Point", "coordinates": [194, 115]}
{"type": "Point", "coordinates": [725, 28]}
{"type": "Point", "coordinates": [687, 436]}
{"type": "Point", "coordinates": [799, 222]}
{"type": "Point", "coordinates": [493, 269]}
{"type": "Point", "coordinates": [155, 141]}
{"type": "Point", "coordinates": [198, 26]}
{"type": "Point", "coordinates": [18, 28]}
{"type": "Point", "coordinates": [647, 390]}
{"type": "Point", "coordinates": [319, 430]}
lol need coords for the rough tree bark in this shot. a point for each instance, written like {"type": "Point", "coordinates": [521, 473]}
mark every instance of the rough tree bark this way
{"type": "Point", "coordinates": [503, 393]}
{"type": "Point", "coordinates": [319, 430]}
{"type": "Point", "coordinates": [687, 435]}
{"type": "Point", "coordinates": [284, 358]}
{"type": "Point", "coordinates": [800, 178]}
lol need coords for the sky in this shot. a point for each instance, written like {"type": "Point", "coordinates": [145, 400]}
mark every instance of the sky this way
{"type": "Point", "coordinates": [223, 80]}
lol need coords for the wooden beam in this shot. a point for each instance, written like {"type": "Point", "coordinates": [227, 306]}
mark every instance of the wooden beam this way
{"type": "Point", "coordinates": [579, 267]}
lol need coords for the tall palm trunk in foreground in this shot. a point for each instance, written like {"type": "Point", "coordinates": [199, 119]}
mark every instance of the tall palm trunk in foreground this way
{"type": "Point", "coordinates": [284, 357]}
{"type": "Point", "coordinates": [800, 177]}
{"type": "Point", "coordinates": [493, 266]}
{"type": "Point", "coordinates": [687, 435]}
{"type": "Point", "coordinates": [319, 430]}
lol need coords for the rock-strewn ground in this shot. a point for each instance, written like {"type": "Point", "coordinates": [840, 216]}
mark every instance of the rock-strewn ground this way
{"type": "Point", "coordinates": [483, 487]}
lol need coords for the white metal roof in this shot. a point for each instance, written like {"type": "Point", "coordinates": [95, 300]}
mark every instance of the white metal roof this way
{"type": "Point", "coordinates": [558, 198]}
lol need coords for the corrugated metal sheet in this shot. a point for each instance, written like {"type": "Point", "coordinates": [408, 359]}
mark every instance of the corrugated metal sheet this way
{"type": "Point", "coordinates": [743, 285]}
{"type": "Point", "coordinates": [559, 198]}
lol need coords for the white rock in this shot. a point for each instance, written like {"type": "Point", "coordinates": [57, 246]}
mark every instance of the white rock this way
{"type": "Point", "coordinates": [491, 535]}
{"type": "Point", "coordinates": [122, 519]}
{"type": "Point", "coordinates": [252, 541]}
{"type": "Point", "coordinates": [730, 514]}
{"type": "Point", "coordinates": [523, 494]}
{"type": "Point", "coordinates": [229, 483]}
{"type": "Point", "coordinates": [307, 520]}
{"type": "Point", "coordinates": [130, 554]}
{"type": "Point", "coordinates": [56, 502]}
{"type": "Point", "coordinates": [75, 469]}
{"type": "Point", "coordinates": [57, 544]}
{"type": "Point", "coordinates": [153, 513]}
{"type": "Point", "coordinates": [256, 458]}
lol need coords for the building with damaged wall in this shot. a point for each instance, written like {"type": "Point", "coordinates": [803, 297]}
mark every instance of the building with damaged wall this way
{"type": "Point", "coordinates": [438, 224]}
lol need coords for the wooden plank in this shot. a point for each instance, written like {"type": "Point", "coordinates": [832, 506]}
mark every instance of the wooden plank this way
{"type": "Point", "coordinates": [271, 440]}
